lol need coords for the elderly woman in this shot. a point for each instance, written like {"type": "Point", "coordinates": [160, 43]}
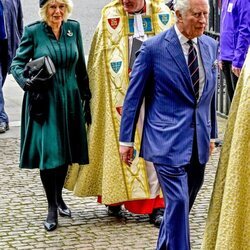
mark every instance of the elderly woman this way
{"type": "Point", "coordinates": [59, 138]}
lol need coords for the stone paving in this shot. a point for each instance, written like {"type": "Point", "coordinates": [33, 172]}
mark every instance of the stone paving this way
{"type": "Point", "coordinates": [23, 209]}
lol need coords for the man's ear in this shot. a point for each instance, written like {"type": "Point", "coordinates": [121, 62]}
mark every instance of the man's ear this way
{"type": "Point", "coordinates": [179, 16]}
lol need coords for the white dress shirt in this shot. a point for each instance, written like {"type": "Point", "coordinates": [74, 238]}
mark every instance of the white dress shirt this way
{"type": "Point", "coordinates": [185, 48]}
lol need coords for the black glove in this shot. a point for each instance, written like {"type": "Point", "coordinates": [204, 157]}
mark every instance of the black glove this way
{"type": "Point", "coordinates": [87, 112]}
{"type": "Point", "coordinates": [29, 85]}
{"type": "Point", "coordinates": [36, 84]}
{"type": "Point", "coordinates": [38, 106]}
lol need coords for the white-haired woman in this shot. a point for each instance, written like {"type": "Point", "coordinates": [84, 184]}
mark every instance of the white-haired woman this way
{"type": "Point", "coordinates": [53, 133]}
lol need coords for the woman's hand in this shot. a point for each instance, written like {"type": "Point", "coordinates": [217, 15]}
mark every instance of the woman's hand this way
{"type": "Point", "coordinates": [87, 112]}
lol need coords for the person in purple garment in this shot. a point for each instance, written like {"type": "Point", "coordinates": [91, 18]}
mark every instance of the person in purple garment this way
{"type": "Point", "coordinates": [234, 40]}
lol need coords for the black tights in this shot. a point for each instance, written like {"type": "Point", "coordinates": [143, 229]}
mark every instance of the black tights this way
{"type": "Point", "coordinates": [53, 181]}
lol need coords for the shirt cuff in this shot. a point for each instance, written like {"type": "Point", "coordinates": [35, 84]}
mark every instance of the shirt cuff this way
{"type": "Point", "coordinates": [126, 144]}
{"type": "Point", "coordinates": [212, 140]}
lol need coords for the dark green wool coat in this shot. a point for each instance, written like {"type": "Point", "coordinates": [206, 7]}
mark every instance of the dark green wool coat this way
{"type": "Point", "coordinates": [61, 139]}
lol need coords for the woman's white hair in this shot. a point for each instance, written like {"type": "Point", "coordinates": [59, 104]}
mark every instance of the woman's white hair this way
{"type": "Point", "coordinates": [68, 11]}
{"type": "Point", "coordinates": [183, 5]}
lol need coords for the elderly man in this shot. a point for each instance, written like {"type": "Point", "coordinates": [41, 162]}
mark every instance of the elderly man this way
{"type": "Point", "coordinates": [175, 76]}
{"type": "Point", "coordinates": [121, 30]}
{"type": "Point", "coordinates": [11, 29]}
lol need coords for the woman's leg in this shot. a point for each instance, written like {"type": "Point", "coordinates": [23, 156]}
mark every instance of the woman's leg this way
{"type": "Point", "coordinates": [60, 174]}
{"type": "Point", "coordinates": [49, 184]}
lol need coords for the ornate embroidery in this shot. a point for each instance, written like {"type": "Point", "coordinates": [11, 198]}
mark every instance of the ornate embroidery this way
{"type": "Point", "coordinates": [164, 18]}
{"type": "Point", "coordinates": [116, 66]}
{"type": "Point", "coordinates": [114, 22]}
{"type": "Point", "coordinates": [147, 25]}
{"type": "Point", "coordinates": [119, 110]}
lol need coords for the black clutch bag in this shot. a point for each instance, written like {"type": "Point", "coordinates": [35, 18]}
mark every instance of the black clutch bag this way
{"type": "Point", "coordinates": [40, 70]}
{"type": "Point", "coordinates": [39, 73]}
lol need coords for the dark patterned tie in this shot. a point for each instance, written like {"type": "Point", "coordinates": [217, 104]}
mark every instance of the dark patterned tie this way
{"type": "Point", "coordinates": [193, 67]}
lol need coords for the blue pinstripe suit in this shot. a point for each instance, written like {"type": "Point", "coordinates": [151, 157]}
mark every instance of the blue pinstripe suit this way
{"type": "Point", "coordinates": [177, 129]}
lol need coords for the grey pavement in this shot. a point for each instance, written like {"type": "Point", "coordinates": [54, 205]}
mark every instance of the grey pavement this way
{"type": "Point", "coordinates": [23, 204]}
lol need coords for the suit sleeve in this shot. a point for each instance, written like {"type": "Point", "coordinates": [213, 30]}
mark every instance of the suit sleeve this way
{"type": "Point", "coordinates": [136, 91]}
{"type": "Point", "coordinates": [214, 130]}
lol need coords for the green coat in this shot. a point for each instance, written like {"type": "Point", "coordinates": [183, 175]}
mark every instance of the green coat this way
{"type": "Point", "coordinates": [61, 139]}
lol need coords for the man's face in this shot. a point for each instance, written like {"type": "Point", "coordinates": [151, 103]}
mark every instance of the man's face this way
{"type": "Point", "coordinates": [132, 6]}
{"type": "Point", "coordinates": [193, 23]}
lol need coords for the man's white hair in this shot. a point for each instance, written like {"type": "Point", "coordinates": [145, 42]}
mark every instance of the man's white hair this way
{"type": "Point", "coordinates": [183, 5]}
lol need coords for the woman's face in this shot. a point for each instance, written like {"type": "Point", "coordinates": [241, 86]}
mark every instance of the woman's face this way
{"type": "Point", "coordinates": [55, 12]}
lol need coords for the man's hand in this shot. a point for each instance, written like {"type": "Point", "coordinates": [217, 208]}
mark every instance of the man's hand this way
{"type": "Point", "coordinates": [126, 154]}
{"type": "Point", "coordinates": [211, 148]}
{"type": "Point", "coordinates": [220, 65]}
{"type": "Point", "coordinates": [236, 71]}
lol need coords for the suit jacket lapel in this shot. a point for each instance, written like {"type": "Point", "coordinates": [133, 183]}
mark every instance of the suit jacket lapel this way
{"type": "Point", "coordinates": [175, 50]}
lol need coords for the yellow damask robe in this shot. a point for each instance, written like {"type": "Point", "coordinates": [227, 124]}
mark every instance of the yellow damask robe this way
{"type": "Point", "coordinates": [228, 222]}
{"type": "Point", "coordinates": [108, 64]}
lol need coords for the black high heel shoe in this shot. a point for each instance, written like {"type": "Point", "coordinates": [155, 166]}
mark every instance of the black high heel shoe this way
{"type": "Point", "coordinates": [51, 221]}
{"type": "Point", "coordinates": [64, 211]}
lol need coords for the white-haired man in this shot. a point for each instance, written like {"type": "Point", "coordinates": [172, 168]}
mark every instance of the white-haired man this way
{"type": "Point", "coordinates": [175, 75]}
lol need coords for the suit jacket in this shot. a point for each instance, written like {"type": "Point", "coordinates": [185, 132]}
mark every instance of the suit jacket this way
{"type": "Point", "coordinates": [172, 114]}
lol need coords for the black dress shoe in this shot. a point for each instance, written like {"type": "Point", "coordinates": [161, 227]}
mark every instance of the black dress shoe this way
{"type": "Point", "coordinates": [64, 211]}
{"type": "Point", "coordinates": [4, 126]}
{"type": "Point", "coordinates": [115, 211]}
{"type": "Point", "coordinates": [51, 221]}
{"type": "Point", "coordinates": [158, 220]}
{"type": "Point", "coordinates": [218, 143]}
{"type": "Point", "coordinates": [156, 217]}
